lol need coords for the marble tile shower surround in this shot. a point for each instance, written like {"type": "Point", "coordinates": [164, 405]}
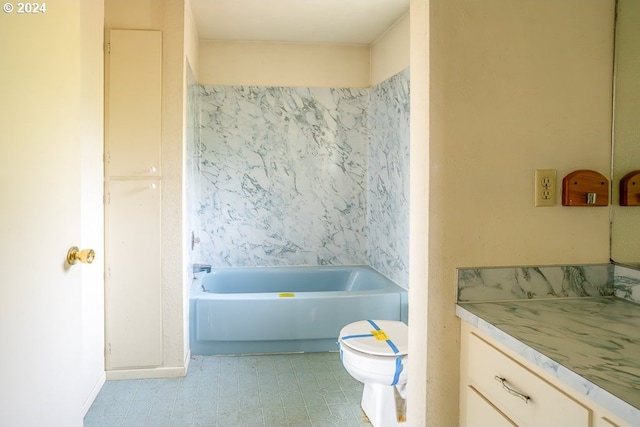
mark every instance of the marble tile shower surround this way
{"type": "Point", "coordinates": [302, 176]}
{"type": "Point", "coordinates": [283, 175]}
{"type": "Point", "coordinates": [512, 283]}
{"type": "Point", "coordinates": [388, 178]}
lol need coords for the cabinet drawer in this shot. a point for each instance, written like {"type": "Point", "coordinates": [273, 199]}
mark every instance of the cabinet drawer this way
{"type": "Point", "coordinates": [519, 393]}
{"type": "Point", "coordinates": [482, 413]}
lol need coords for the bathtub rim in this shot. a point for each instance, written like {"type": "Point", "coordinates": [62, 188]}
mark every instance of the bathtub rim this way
{"type": "Point", "coordinates": [197, 291]}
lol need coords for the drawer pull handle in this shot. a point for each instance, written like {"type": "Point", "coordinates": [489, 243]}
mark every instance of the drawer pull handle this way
{"type": "Point", "coordinates": [516, 393]}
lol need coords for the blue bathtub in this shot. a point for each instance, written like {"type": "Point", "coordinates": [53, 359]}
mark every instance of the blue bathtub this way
{"type": "Point", "coordinates": [286, 309]}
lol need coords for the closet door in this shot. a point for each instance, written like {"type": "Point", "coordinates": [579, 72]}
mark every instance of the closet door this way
{"type": "Point", "coordinates": [133, 286]}
{"type": "Point", "coordinates": [133, 292]}
{"type": "Point", "coordinates": [133, 103]}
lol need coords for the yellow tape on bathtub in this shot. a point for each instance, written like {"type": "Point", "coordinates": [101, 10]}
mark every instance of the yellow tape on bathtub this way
{"type": "Point", "coordinates": [287, 295]}
{"type": "Point", "coordinates": [380, 335]}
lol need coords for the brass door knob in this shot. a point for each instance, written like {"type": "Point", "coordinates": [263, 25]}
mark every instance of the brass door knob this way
{"type": "Point", "coordinates": [86, 255]}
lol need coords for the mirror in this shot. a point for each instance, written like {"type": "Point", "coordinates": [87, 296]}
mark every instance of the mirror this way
{"type": "Point", "coordinates": [625, 220]}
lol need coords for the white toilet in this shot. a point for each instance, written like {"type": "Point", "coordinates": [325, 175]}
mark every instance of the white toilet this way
{"type": "Point", "coordinates": [374, 352]}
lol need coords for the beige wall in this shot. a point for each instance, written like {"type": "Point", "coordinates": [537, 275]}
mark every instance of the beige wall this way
{"type": "Point", "coordinates": [168, 17]}
{"type": "Point", "coordinates": [515, 86]}
{"type": "Point", "coordinates": [174, 304]}
{"type": "Point", "coordinates": [283, 64]}
{"type": "Point", "coordinates": [131, 15]}
{"type": "Point", "coordinates": [419, 255]}
{"type": "Point", "coordinates": [390, 52]}
{"type": "Point", "coordinates": [191, 41]}
{"type": "Point", "coordinates": [304, 64]}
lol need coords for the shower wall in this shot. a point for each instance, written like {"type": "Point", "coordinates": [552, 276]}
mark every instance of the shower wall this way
{"type": "Point", "coordinates": [302, 176]}
{"type": "Point", "coordinates": [388, 179]}
{"type": "Point", "coordinates": [283, 175]}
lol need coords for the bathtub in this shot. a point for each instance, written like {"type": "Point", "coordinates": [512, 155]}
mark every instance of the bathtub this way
{"type": "Point", "coordinates": [286, 309]}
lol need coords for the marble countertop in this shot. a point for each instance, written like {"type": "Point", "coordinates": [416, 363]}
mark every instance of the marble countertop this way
{"type": "Point", "coordinates": [590, 344]}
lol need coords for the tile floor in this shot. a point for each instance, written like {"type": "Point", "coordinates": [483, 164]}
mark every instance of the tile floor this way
{"type": "Point", "coordinates": [283, 390]}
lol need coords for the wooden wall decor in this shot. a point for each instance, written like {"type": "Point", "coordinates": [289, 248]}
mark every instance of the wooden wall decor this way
{"type": "Point", "coordinates": [630, 189]}
{"type": "Point", "coordinates": [585, 188]}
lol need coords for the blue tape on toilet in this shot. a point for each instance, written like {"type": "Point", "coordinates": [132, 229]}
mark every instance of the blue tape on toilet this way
{"type": "Point", "coordinates": [391, 344]}
{"type": "Point", "coordinates": [396, 375]}
{"type": "Point", "coordinates": [357, 336]}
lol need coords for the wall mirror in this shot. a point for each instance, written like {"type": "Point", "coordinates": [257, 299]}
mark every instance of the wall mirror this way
{"type": "Point", "coordinates": [625, 220]}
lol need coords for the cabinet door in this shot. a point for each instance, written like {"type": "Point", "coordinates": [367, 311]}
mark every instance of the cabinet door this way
{"type": "Point", "coordinates": [133, 75]}
{"type": "Point", "coordinates": [133, 285]}
{"type": "Point", "coordinates": [479, 412]}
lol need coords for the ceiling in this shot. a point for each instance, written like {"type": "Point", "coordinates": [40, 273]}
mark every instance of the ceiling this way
{"type": "Point", "coordinates": [302, 21]}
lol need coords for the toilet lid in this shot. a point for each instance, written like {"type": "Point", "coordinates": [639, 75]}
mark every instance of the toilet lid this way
{"type": "Point", "coordinates": [377, 337]}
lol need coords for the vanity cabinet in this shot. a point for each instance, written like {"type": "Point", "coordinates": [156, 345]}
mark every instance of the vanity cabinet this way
{"type": "Point", "coordinates": [133, 127]}
{"type": "Point", "coordinates": [500, 388]}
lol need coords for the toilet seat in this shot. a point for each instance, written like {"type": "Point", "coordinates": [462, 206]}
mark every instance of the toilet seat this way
{"type": "Point", "coordinates": [377, 337]}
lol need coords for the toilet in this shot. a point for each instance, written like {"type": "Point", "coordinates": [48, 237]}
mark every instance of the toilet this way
{"type": "Point", "coordinates": [374, 352]}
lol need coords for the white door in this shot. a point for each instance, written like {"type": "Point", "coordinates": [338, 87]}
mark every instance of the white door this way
{"type": "Point", "coordinates": [50, 200]}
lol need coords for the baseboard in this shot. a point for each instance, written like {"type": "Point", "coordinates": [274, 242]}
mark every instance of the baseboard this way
{"type": "Point", "coordinates": [187, 360]}
{"type": "Point", "coordinates": [210, 348]}
{"type": "Point", "coordinates": [86, 405]}
{"type": "Point", "coordinates": [146, 373]}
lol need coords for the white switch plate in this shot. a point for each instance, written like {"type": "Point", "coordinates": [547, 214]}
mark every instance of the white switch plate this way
{"type": "Point", "coordinates": [545, 187]}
